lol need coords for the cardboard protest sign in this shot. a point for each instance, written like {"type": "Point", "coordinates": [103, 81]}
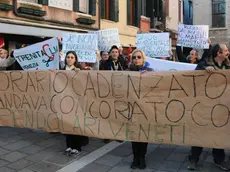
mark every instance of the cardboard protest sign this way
{"type": "Point", "coordinates": [85, 45]}
{"type": "Point", "coordinates": [154, 44]}
{"type": "Point", "coordinates": [107, 38]}
{"type": "Point", "coordinates": [183, 108]}
{"type": "Point", "coordinates": [165, 65]}
{"type": "Point", "coordinates": [193, 36]}
{"type": "Point", "coordinates": [40, 56]}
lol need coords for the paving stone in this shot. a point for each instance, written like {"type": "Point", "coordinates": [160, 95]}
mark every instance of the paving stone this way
{"type": "Point", "coordinates": [44, 167]}
{"type": "Point", "coordinates": [3, 163]}
{"type": "Point", "coordinates": [17, 145]}
{"type": "Point", "coordinates": [122, 152]}
{"type": "Point", "coordinates": [95, 168]}
{"type": "Point", "coordinates": [41, 155]}
{"type": "Point", "coordinates": [109, 160]}
{"type": "Point", "coordinates": [177, 157]}
{"type": "Point", "coordinates": [151, 148]}
{"type": "Point", "coordinates": [3, 151]}
{"type": "Point", "coordinates": [168, 146]}
{"type": "Point", "coordinates": [5, 169]}
{"type": "Point", "coordinates": [8, 134]}
{"type": "Point", "coordinates": [90, 148]}
{"type": "Point", "coordinates": [18, 165]}
{"type": "Point", "coordinates": [169, 166]}
{"type": "Point", "coordinates": [145, 170]}
{"type": "Point", "coordinates": [48, 142]}
{"type": "Point", "coordinates": [13, 139]}
{"type": "Point", "coordinates": [25, 170]}
{"type": "Point", "coordinates": [182, 149]}
{"type": "Point", "coordinates": [13, 156]}
{"type": "Point", "coordinates": [153, 164]}
{"type": "Point", "coordinates": [121, 167]}
{"type": "Point", "coordinates": [3, 142]}
{"type": "Point", "coordinates": [32, 149]}
{"type": "Point", "coordinates": [160, 154]}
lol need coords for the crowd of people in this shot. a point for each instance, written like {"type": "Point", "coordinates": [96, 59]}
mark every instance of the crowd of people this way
{"type": "Point", "coordinates": [214, 58]}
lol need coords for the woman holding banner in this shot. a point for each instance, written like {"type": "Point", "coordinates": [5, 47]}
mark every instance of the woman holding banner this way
{"type": "Point", "coordinates": [138, 63]}
{"type": "Point", "coordinates": [73, 142]}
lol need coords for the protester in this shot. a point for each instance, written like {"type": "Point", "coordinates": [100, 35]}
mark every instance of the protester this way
{"type": "Point", "coordinates": [5, 61]}
{"type": "Point", "coordinates": [218, 61]}
{"type": "Point", "coordinates": [74, 143]}
{"type": "Point", "coordinates": [139, 64]}
{"type": "Point", "coordinates": [115, 61]}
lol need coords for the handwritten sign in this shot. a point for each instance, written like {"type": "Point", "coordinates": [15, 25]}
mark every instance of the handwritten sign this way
{"type": "Point", "coordinates": [154, 44]}
{"type": "Point", "coordinates": [107, 38]}
{"type": "Point", "coordinates": [40, 56]}
{"type": "Point", "coordinates": [183, 108]}
{"type": "Point", "coordinates": [165, 65]}
{"type": "Point", "coordinates": [85, 45]}
{"type": "Point", "coordinates": [66, 4]}
{"type": "Point", "coordinates": [194, 36]}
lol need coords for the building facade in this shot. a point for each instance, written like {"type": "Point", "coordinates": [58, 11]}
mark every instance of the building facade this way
{"type": "Point", "coordinates": [30, 21]}
{"type": "Point", "coordinates": [215, 14]}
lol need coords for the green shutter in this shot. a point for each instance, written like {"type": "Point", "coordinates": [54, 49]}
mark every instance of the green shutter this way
{"type": "Point", "coordinates": [114, 10]}
{"type": "Point", "coordinates": [128, 12]}
{"type": "Point", "coordinates": [102, 9]}
{"type": "Point", "coordinates": [138, 12]}
{"type": "Point", "coordinates": [76, 5]}
{"type": "Point", "coordinates": [143, 7]}
{"type": "Point", "coordinates": [92, 7]}
{"type": "Point", "coordinates": [43, 2]}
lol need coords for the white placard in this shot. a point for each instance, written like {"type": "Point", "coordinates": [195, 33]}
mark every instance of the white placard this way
{"type": "Point", "coordinates": [63, 4]}
{"type": "Point", "coordinates": [154, 44]}
{"type": "Point", "coordinates": [85, 45]}
{"type": "Point", "coordinates": [40, 56]}
{"type": "Point", "coordinates": [165, 65]}
{"type": "Point", "coordinates": [193, 36]}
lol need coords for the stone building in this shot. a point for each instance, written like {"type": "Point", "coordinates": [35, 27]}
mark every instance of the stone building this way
{"type": "Point", "coordinates": [215, 14]}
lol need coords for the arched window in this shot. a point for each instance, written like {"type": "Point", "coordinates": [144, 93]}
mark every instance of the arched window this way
{"type": "Point", "coordinates": [218, 13]}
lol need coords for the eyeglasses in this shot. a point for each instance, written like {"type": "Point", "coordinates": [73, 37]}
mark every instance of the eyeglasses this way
{"type": "Point", "coordinates": [136, 57]}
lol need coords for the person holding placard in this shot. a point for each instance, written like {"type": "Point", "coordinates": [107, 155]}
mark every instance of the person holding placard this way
{"type": "Point", "coordinates": [115, 62]}
{"type": "Point", "coordinates": [138, 63]}
{"type": "Point", "coordinates": [218, 61]}
{"type": "Point", "coordinates": [73, 142]}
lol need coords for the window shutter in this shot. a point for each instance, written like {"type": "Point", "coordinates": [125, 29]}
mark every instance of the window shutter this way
{"type": "Point", "coordinates": [167, 7]}
{"type": "Point", "coordinates": [128, 12]}
{"type": "Point", "coordinates": [92, 7]}
{"type": "Point", "coordinates": [102, 9]}
{"type": "Point", "coordinates": [43, 2]}
{"type": "Point", "coordinates": [143, 10]}
{"type": "Point", "coordinates": [114, 10]}
{"type": "Point", "coordinates": [157, 8]}
{"type": "Point", "coordinates": [138, 12]}
{"type": "Point", "coordinates": [76, 5]}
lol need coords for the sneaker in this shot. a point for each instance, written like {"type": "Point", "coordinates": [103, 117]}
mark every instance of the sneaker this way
{"type": "Point", "coordinates": [75, 152]}
{"type": "Point", "coordinates": [68, 150]}
{"type": "Point", "coordinates": [192, 166]}
{"type": "Point", "coordinates": [223, 165]}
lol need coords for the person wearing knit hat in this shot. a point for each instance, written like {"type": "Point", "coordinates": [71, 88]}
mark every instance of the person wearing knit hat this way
{"type": "Point", "coordinates": [139, 63]}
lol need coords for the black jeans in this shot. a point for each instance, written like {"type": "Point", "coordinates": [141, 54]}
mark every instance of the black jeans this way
{"type": "Point", "coordinates": [139, 149]}
{"type": "Point", "coordinates": [218, 154]}
{"type": "Point", "coordinates": [76, 141]}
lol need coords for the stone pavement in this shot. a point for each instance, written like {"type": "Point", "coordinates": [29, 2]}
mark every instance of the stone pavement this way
{"type": "Point", "coordinates": [24, 150]}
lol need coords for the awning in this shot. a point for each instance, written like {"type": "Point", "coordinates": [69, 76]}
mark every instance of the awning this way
{"type": "Point", "coordinates": [20, 29]}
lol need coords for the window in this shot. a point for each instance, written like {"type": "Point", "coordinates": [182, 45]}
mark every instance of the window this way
{"type": "Point", "coordinates": [85, 6]}
{"type": "Point", "coordinates": [218, 13]}
{"type": "Point", "coordinates": [110, 10]}
{"type": "Point", "coordinates": [135, 9]}
{"type": "Point", "coordinates": [190, 9]}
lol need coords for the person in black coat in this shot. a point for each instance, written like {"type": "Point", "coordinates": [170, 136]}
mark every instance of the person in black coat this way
{"type": "Point", "coordinates": [217, 61]}
{"type": "Point", "coordinates": [139, 64]}
{"type": "Point", "coordinates": [73, 142]}
{"type": "Point", "coordinates": [116, 62]}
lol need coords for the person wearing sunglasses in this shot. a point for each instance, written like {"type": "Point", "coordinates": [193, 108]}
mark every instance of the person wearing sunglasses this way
{"type": "Point", "coordinates": [139, 64]}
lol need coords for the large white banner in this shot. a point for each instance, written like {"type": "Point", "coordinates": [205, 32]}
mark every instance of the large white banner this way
{"type": "Point", "coordinates": [40, 56]}
{"type": "Point", "coordinates": [154, 44]}
{"type": "Point", "coordinates": [193, 36]}
{"type": "Point", "coordinates": [165, 65]}
{"type": "Point", "coordinates": [85, 45]}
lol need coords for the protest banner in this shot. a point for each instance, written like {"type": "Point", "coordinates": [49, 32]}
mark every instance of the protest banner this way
{"type": "Point", "coordinates": [183, 108]}
{"type": "Point", "coordinates": [165, 65]}
{"type": "Point", "coordinates": [193, 36]}
{"type": "Point", "coordinates": [40, 56]}
{"type": "Point", "coordinates": [154, 44]}
{"type": "Point", "coordinates": [85, 45]}
{"type": "Point", "coordinates": [107, 38]}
